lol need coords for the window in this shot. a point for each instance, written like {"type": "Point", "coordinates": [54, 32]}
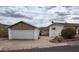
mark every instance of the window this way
{"type": "Point", "coordinates": [53, 28]}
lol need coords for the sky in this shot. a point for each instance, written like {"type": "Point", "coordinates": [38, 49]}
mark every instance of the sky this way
{"type": "Point", "coordinates": [40, 16]}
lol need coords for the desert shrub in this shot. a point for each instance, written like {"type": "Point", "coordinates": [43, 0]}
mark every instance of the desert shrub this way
{"type": "Point", "coordinates": [3, 33]}
{"type": "Point", "coordinates": [68, 33]}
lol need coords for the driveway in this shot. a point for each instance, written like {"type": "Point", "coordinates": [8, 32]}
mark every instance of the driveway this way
{"type": "Point", "coordinates": [43, 42]}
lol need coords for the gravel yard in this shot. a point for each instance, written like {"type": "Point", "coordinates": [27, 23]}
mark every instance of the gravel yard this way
{"type": "Point", "coordinates": [43, 42]}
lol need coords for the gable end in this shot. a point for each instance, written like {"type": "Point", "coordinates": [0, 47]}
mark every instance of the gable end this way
{"type": "Point", "coordinates": [22, 26]}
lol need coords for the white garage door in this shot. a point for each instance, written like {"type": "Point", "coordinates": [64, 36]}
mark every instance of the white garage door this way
{"type": "Point", "coordinates": [22, 34]}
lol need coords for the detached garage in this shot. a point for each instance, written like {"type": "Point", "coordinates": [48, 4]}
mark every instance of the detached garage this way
{"type": "Point", "coordinates": [23, 30]}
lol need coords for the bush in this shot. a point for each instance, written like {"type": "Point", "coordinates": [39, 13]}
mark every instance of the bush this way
{"type": "Point", "coordinates": [3, 33]}
{"type": "Point", "coordinates": [68, 33]}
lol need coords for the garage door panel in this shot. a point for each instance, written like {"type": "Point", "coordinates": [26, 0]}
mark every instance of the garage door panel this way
{"type": "Point", "coordinates": [22, 34]}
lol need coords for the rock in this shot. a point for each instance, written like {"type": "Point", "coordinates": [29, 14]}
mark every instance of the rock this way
{"type": "Point", "coordinates": [57, 39]}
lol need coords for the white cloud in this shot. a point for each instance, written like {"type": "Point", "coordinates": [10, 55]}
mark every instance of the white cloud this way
{"type": "Point", "coordinates": [37, 15]}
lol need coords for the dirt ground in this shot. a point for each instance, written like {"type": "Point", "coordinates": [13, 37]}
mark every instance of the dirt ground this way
{"type": "Point", "coordinates": [43, 42]}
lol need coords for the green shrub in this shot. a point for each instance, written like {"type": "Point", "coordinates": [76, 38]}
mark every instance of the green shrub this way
{"type": "Point", "coordinates": [3, 33]}
{"type": "Point", "coordinates": [68, 33]}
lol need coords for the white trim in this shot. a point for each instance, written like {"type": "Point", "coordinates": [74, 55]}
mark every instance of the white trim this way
{"type": "Point", "coordinates": [9, 34]}
{"type": "Point", "coordinates": [36, 34]}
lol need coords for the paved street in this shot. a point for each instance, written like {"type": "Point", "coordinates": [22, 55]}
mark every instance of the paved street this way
{"type": "Point", "coordinates": [53, 49]}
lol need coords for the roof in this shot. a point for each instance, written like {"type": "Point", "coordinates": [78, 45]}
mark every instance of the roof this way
{"type": "Point", "coordinates": [71, 25]}
{"type": "Point", "coordinates": [22, 22]}
{"type": "Point", "coordinates": [4, 24]}
{"type": "Point", "coordinates": [55, 23]}
{"type": "Point", "coordinates": [66, 24]}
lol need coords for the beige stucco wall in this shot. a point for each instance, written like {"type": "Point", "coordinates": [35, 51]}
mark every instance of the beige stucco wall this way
{"type": "Point", "coordinates": [57, 31]}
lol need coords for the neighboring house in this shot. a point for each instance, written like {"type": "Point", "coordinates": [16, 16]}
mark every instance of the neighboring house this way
{"type": "Point", "coordinates": [3, 26]}
{"type": "Point", "coordinates": [23, 30]}
{"type": "Point", "coordinates": [75, 26]}
{"type": "Point", "coordinates": [44, 31]}
{"type": "Point", "coordinates": [56, 28]}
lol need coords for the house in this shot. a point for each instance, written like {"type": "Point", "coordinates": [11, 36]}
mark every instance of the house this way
{"type": "Point", "coordinates": [75, 26]}
{"type": "Point", "coordinates": [44, 31]}
{"type": "Point", "coordinates": [23, 30]}
{"type": "Point", "coordinates": [3, 26]}
{"type": "Point", "coordinates": [56, 28]}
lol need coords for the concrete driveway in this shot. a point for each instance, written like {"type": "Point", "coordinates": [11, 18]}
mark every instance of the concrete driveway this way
{"type": "Point", "coordinates": [43, 42]}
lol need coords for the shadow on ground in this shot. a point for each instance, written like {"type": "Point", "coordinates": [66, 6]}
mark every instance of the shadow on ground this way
{"type": "Point", "coordinates": [52, 49]}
